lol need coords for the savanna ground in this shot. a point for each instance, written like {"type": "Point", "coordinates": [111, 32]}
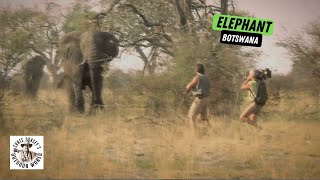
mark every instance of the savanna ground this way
{"type": "Point", "coordinates": [123, 142]}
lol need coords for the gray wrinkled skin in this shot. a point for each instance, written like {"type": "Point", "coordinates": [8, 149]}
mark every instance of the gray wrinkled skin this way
{"type": "Point", "coordinates": [81, 54]}
{"type": "Point", "coordinates": [32, 74]}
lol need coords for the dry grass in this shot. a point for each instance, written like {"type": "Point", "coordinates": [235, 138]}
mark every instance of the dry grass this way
{"type": "Point", "coordinates": [116, 144]}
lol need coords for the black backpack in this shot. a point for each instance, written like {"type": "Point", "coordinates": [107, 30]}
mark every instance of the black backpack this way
{"type": "Point", "coordinates": [262, 95]}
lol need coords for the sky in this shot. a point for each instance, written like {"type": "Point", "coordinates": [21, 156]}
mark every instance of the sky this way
{"type": "Point", "coordinates": [290, 17]}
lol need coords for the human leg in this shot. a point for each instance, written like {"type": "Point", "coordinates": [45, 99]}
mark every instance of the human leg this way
{"type": "Point", "coordinates": [204, 110]}
{"type": "Point", "coordinates": [247, 112]}
{"type": "Point", "coordinates": [252, 120]}
{"type": "Point", "coordinates": [194, 112]}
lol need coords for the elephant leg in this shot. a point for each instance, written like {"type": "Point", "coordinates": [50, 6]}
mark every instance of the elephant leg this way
{"type": "Point", "coordinates": [79, 100]}
{"type": "Point", "coordinates": [73, 82]}
{"type": "Point", "coordinates": [27, 80]}
{"type": "Point", "coordinates": [35, 83]}
{"type": "Point", "coordinates": [87, 82]}
{"type": "Point", "coordinates": [78, 88]}
{"type": "Point", "coordinates": [86, 79]}
{"type": "Point", "coordinates": [71, 95]}
{"type": "Point", "coordinates": [96, 85]}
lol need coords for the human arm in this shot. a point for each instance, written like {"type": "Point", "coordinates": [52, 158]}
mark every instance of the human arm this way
{"type": "Point", "coordinates": [192, 83]}
{"type": "Point", "coordinates": [246, 85]}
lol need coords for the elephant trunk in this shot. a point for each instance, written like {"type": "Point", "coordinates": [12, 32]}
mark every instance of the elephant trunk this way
{"type": "Point", "coordinates": [96, 85]}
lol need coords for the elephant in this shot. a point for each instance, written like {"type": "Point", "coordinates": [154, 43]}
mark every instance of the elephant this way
{"type": "Point", "coordinates": [32, 74]}
{"type": "Point", "coordinates": [82, 55]}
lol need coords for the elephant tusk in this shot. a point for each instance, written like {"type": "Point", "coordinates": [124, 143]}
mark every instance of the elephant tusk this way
{"type": "Point", "coordinates": [83, 62]}
{"type": "Point", "coordinates": [94, 61]}
{"type": "Point", "coordinates": [103, 59]}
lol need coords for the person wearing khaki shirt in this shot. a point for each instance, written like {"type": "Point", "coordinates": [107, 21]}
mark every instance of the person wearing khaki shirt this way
{"type": "Point", "coordinates": [201, 85]}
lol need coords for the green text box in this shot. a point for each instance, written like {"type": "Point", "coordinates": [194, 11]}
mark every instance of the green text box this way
{"type": "Point", "coordinates": [242, 24]}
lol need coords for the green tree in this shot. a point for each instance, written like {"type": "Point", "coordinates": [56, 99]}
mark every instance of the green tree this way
{"type": "Point", "coordinates": [305, 56]}
{"type": "Point", "coordinates": [25, 31]}
{"type": "Point", "coordinates": [175, 35]}
{"type": "Point", "coordinates": [80, 17]}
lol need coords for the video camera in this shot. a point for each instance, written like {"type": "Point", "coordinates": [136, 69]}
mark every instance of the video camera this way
{"type": "Point", "coordinates": [262, 74]}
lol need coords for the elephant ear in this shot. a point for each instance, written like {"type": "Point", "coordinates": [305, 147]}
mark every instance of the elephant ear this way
{"type": "Point", "coordinates": [99, 45]}
{"type": "Point", "coordinates": [69, 48]}
{"type": "Point", "coordinates": [111, 44]}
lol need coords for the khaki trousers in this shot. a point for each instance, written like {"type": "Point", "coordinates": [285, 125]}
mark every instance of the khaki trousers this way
{"type": "Point", "coordinates": [199, 107]}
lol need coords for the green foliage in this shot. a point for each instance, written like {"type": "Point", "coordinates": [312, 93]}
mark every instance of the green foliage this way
{"type": "Point", "coordinates": [24, 31]}
{"type": "Point", "coordinates": [154, 29]}
{"type": "Point", "coordinates": [142, 26]}
{"type": "Point", "coordinates": [79, 17]}
{"type": "Point", "coordinates": [224, 65]}
{"type": "Point", "coordinates": [129, 27]}
{"type": "Point", "coordinates": [280, 82]}
{"type": "Point", "coordinates": [12, 38]}
{"type": "Point", "coordinates": [305, 56]}
{"type": "Point", "coordinates": [117, 80]}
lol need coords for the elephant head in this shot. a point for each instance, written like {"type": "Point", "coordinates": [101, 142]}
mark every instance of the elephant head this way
{"type": "Point", "coordinates": [82, 55]}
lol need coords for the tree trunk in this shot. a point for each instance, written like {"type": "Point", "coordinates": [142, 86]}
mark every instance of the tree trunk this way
{"type": "Point", "coordinates": [224, 6]}
{"type": "Point", "coordinates": [182, 15]}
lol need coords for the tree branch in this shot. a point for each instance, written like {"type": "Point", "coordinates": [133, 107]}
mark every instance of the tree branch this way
{"type": "Point", "coordinates": [183, 16]}
{"type": "Point", "coordinates": [142, 16]}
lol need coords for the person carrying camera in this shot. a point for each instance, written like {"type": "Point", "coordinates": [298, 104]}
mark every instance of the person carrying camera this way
{"type": "Point", "coordinates": [257, 95]}
{"type": "Point", "coordinates": [201, 83]}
